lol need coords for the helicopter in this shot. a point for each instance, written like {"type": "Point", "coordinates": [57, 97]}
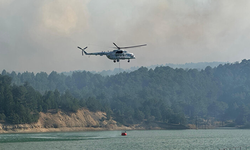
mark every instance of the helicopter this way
{"type": "Point", "coordinates": [115, 55]}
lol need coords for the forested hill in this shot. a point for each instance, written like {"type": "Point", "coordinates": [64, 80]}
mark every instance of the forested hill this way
{"type": "Point", "coordinates": [199, 66]}
{"type": "Point", "coordinates": [161, 94]}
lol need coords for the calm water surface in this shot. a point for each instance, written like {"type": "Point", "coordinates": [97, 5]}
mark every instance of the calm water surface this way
{"type": "Point", "coordinates": [138, 139]}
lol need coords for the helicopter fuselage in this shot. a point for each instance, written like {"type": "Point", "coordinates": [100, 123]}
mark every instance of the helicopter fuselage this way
{"type": "Point", "coordinates": [119, 54]}
{"type": "Point", "coordinates": [115, 55]}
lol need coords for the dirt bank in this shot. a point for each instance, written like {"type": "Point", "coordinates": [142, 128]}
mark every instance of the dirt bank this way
{"type": "Point", "coordinates": [60, 121]}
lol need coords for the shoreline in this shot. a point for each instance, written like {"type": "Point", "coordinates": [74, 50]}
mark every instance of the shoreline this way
{"type": "Point", "coordinates": [32, 129]}
{"type": "Point", "coordinates": [64, 129]}
{"type": "Point", "coordinates": [25, 129]}
{"type": "Point", "coordinates": [81, 129]}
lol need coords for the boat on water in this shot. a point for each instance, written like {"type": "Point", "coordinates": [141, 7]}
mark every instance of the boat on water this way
{"type": "Point", "coordinates": [124, 133]}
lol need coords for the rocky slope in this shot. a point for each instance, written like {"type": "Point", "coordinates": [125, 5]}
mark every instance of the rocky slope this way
{"type": "Point", "coordinates": [60, 121]}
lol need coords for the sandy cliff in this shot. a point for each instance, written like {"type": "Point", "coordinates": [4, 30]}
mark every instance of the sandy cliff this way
{"type": "Point", "coordinates": [60, 121]}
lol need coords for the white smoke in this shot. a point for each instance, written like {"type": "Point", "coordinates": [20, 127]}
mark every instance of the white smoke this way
{"type": "Point", "coordinates": [43, 35]}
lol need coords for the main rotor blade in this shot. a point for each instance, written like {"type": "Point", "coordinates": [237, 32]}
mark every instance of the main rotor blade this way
{"type": "Point", "coordinates": [116, 46]}
{"type": "Point", "coordinates": [133, 46]}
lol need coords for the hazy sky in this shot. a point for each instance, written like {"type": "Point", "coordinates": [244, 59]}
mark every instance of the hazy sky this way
{"type": "Point", "coordinates": [43, 35]}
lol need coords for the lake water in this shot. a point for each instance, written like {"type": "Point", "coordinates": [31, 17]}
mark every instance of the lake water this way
{"type": "Point", "coordinates": [135, 140]}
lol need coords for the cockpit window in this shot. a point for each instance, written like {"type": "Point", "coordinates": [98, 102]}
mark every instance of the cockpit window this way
{"type": "Point", "coordinates": [119, 52]}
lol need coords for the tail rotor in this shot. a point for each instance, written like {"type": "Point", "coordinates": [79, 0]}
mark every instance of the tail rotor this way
{"type": "Point", "coordinates": [82, 49]}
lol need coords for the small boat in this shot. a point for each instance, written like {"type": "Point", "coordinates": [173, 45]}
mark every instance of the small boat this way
{"type": "Point", "coordinates": [124, 133]}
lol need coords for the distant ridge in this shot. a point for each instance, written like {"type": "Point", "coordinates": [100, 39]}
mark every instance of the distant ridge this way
{"type": "Point", "coordinates": [198, 65]}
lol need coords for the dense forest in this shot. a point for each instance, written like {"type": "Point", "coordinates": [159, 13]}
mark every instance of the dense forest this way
{"type": "Point", "coordinates": [163, 94]}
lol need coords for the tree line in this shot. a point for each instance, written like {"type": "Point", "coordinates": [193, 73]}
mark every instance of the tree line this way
{"type": "Point", "coordinates": [162, 94]}
{"type": "Point", "coordinates": [22, 104]}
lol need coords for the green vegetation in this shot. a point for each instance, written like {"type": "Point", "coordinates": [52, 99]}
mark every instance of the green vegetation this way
{"type": "Point", "coordinates": [22, 104]}
{"type": "Point", "coordinates": [164, 94]}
